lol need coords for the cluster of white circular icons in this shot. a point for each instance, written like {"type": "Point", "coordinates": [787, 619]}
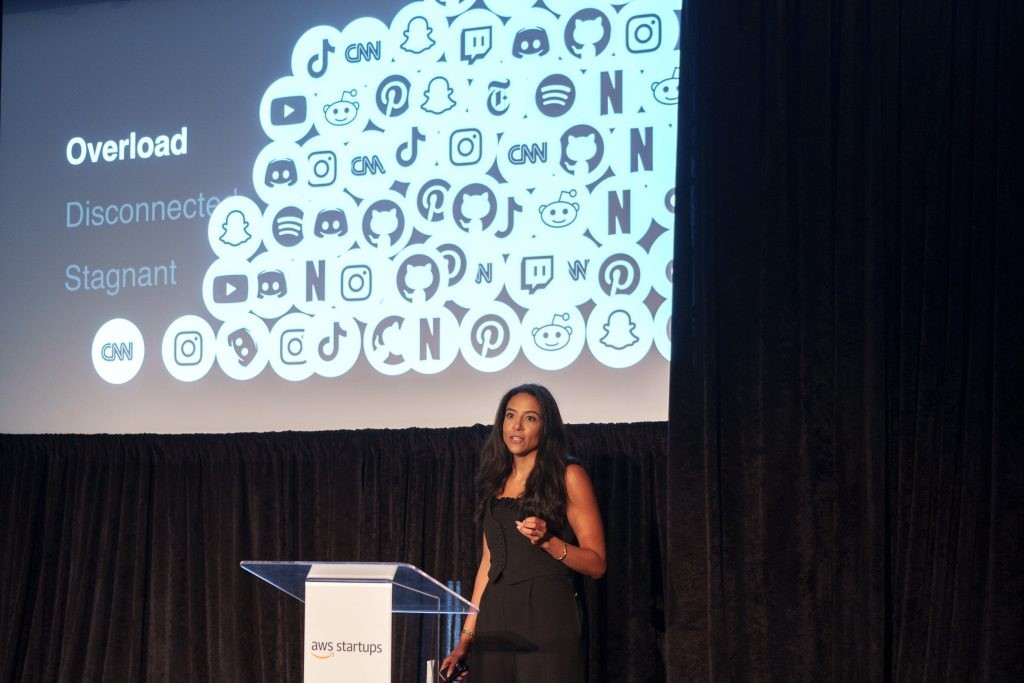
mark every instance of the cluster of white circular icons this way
{"type": "Point", "coordinates": [464, 181]}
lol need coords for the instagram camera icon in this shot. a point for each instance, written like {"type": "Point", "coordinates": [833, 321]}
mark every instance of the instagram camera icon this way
{"type": "Point", "coordinates": [356, 283]}
{"type": "Point", "coordinates": [643, 33]}
{"type": "Point", "coordinates": [465, 147]}
{"type": "Point", "coordinates": [323, 167]}
{"type": "Point", "coordinates": [188, 348]}
{"type": "Point", "coordinates": [292, 347]}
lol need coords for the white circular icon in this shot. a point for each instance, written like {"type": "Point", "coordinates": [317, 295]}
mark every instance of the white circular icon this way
{"type": "Point", "coordinates": [619, 333]}
{"type": "Point", "coordinates": [242, 347]}
{"type": "Point", "coordinates": [335, 342]}
{"type": "Point", "coordinates": [431, 340]}
{"type": "Point", "coordinates": [553, 337]}
{"type": "Point", "coordinates": [291, 347]}
{"type": "Point", "coordinates": [234, 229]}
{"type": "Point", "coordinates": [384, 341]}
{"type": "Point", "coordinates": [188, 348]}
{"type": "Point", "coordinates": [117, 351]}
{"type": "Point", "coordinates": [489, 337]}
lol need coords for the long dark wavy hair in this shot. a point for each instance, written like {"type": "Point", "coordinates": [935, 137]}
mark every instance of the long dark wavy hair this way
{"type": "Point", "coordinates": [545, 495]}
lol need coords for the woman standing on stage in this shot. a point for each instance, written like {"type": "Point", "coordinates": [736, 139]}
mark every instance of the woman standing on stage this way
{"type": "Point", "coordinates": [541, 524]}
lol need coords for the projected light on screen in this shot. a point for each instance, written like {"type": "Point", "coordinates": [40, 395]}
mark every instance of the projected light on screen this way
{"type": "Point", "coordinates": [460, 183]}
{"type": "Point", "coordinates": [346, 215]}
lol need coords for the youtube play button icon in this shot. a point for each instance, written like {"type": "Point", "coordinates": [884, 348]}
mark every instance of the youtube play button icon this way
{"type": "Point", "coordinates": [230, 289]}
{"type": "Point", "coordinates": [288, 111]}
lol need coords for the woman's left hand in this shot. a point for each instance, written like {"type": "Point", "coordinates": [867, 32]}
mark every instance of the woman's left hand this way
{"type": "Point", "coordinates": [534, 528]}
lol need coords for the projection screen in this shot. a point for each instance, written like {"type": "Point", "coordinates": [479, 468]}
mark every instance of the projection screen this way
{"type": "Point", "coordinates": [250, 216]}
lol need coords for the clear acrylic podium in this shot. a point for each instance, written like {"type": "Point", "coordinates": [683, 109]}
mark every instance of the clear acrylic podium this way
{"type": "Point", "coordinates": [348, 615]}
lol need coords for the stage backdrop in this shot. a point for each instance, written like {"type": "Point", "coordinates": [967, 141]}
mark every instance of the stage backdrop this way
{"type": "Point", "coordinates": [121, 553]}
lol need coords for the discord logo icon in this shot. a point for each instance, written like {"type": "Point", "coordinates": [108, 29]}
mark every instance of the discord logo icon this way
{"type": "Point", "coordinates": [271, 283]}
{"type": "Point", "coordinates": [530, 41]}
{"type": "Point", "coordinates": [330, 222]}
{"type": "Point", "coordinates": [280, 172]}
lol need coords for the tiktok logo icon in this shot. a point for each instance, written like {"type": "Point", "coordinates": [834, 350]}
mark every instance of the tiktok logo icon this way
{"type": "Point", "coordinates": [317, 64]}
{"type": "Point", "coordinates": [408, 151]}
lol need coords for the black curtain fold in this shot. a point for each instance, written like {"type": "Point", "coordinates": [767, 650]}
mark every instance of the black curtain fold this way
{"type": "Point", "coordinates": [121, 557]}
{"type": "Point", "coordinates": [844, 442]}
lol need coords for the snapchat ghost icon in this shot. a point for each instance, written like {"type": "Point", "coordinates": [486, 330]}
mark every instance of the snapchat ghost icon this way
{"type": "Point", "coordinates": [235, 229]}
{"type": "Point", "coordinates": [438, 96]}
{"type": "Point", "coordinates": [417, 36]}
{"type": "Point", "coordinates": [618, 331]}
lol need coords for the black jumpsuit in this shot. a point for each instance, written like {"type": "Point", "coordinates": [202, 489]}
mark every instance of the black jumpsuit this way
{"type": "Point", "coordinates": [529, 626]}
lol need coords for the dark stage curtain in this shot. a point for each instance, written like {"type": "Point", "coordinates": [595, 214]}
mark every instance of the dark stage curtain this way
{"type": "Point", "coordinates": [845, 473]}
{"type": "Point", "coordinates": [121, 554]}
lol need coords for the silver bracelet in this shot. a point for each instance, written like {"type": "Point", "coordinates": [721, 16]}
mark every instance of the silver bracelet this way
{"type": "Point", "coordinates": [565, 551]}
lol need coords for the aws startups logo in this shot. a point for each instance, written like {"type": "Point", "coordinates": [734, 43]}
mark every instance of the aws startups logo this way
{"type": "Point", "coordinates": [79, 150]}
{"type": "Point", "coordinates": [326, 649]}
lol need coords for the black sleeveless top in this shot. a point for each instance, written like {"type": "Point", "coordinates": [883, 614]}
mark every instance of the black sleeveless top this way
{"type": "Point", "coordinates": [513, 557]}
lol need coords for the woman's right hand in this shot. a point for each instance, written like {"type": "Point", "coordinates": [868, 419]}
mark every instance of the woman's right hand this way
{"type": "Point", "coordinates": [459, 654]}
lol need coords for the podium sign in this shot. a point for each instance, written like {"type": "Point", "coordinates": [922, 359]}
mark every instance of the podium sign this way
{"type": "Point", "coordinates": [348, 632]}
{"type": "Point", "coordinates": [349, 608]}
